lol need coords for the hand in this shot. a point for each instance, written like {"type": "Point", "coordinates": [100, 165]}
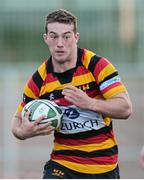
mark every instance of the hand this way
{"type": "Point", "coordinates": [77, 97]}
{"type": "Point", "coordinates": [23, 128]}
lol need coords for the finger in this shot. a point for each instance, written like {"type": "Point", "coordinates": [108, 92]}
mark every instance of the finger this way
{"type": "Point", "coordinates": [72, 90]}
{"type": "Point", "coordinates": [71, 87]}
{"type": "Point", "coordinates": [44, 126]}
{"type": "Point", "coordinates": [38, 121]}
{"type": "Point", "coordinates": [70, 99]}
{"type": "Point", "coordinates": [27, 114]}
{"type": "Point", "coordinates": [45, 131]}
{"type": "Point", "coordinates": [69, 92]}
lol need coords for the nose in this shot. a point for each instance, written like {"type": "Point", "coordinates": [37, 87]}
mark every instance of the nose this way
{"type": "Point", "coordinates": [59, 42]}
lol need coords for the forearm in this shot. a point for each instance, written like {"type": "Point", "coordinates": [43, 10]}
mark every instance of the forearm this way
{"type": "Point", "coordinates": [117, 108]}
{"type": "Point", "coordinates": [16, 128]}
{"type": "Point", "coordinates": [19, 131]}
{"type": "Point", "coordinates": [18, 135]}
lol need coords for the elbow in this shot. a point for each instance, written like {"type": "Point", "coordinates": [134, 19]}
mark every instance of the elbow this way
{"type": "Point", "coordinates": [127, 111]}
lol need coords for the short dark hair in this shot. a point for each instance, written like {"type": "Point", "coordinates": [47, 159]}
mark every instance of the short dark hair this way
{"type": "Point", "coordinates": [61, 16]}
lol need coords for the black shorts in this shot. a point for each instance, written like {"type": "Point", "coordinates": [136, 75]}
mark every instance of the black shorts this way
{"type": "Point", "coordinates": [53, 170]}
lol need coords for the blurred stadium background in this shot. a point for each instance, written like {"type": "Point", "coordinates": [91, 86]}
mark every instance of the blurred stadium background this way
{"type": "Point", "coordinates": [111, 28]}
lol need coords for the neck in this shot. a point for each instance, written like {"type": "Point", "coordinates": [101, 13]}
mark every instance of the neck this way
{"type": "Point", "coordinates": [69, 64]}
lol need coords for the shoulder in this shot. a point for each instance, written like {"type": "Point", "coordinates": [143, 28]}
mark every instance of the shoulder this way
{"type": "Point", "coordinates": [43, 69]}
{"type": "Point", "coordinates": [91, 60]}
{"type": "Point", "coordinates": [43, 66]}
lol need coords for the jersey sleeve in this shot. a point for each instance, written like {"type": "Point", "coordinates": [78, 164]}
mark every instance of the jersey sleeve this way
{"type": "Point", "coordinates": [33, 86]}
{"type": "Point", "coordinates": [107, 78]}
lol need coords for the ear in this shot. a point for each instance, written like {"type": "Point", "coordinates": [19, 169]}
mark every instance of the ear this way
{"type": "Point", "coordinates": [77, 36]}
{"type": "Point", "coordinates": [45, 37]}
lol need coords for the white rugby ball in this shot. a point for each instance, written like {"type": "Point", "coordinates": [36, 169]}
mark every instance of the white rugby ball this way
{"type": "Point", "coordinates": [45, 107]}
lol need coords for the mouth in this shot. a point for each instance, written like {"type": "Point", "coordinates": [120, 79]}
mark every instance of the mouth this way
{"type": "Point", "coordinates": [60, 52]}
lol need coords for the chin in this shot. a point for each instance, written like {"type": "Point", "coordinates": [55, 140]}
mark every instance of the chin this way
{"type": "Point", "coordinates": [61, 60]}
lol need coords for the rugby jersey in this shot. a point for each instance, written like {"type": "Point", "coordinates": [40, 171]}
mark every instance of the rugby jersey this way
{"type": "Point", "coordinates": [85, 141]}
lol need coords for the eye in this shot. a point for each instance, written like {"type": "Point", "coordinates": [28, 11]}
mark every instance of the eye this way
{"type": "Point", "coordinates": [53, 36]}
{"type": "Point", "coordinates": [66, 37]}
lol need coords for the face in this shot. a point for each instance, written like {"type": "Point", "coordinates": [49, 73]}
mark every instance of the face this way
{"type": "Point", "coordinates": [62, 41]}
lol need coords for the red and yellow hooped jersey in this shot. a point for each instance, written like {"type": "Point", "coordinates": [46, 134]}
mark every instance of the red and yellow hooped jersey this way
{"type": "Point", "coordinates": [85, 141]}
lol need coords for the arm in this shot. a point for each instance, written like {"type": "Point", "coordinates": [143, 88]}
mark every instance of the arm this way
{"type": "Point", "coordinates": [23, 128]}
{"type": "Point", "coordinates": [118, 107]}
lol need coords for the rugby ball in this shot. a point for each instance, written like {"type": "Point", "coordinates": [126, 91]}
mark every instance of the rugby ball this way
{"type": "Point", "coordinates": [45, 107]}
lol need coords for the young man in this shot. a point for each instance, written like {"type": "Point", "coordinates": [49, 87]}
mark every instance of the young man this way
{"type": "Point", "coordinates": [88, 89]}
